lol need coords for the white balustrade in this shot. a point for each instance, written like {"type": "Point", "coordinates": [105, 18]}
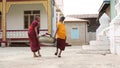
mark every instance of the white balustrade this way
{"type": "Point", "coordinates": [17, 34]}
{"type": "Point", "coordinates": [117, 7]}
{"type": "Point", "coordinates": [116, 2]}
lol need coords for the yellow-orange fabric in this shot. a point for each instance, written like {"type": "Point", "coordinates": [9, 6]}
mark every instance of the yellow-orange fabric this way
{"type": "Point", "coordinates": [61, 33]}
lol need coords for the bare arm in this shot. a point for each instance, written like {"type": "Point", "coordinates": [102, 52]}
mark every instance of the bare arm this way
{"type": "Point", "coordinates": [36, 31]}
{"type": "Point", "coordinates": [56, 33]}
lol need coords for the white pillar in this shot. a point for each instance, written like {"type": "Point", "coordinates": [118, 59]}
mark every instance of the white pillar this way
{"type": "Point", "coordinates": [112, 39]}
{"type": "Point", "coordinates": [115, 36]}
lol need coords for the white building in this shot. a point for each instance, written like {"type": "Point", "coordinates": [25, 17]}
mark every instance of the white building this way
{"type": "Point", "coordinates": [16, 16]}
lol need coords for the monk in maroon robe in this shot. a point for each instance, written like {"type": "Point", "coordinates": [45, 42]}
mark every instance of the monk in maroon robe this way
{"type": "Point", "coordinates": [33, 34]}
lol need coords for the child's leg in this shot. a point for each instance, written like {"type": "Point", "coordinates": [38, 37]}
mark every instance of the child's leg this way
{"type": "Point", "coordinates": [60, 53]}
{"type": "Point", "coordinates": [56, 51]}
{"type": "Point", "coordinates": [39, 53]}
{"type": "Point", "coordinates": [34, 54]}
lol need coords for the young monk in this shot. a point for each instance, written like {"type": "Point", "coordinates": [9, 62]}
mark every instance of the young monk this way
{"type": "Point", "coordinates": [60, 36]}
{"type": "Point", "coordinates": [33, 33]}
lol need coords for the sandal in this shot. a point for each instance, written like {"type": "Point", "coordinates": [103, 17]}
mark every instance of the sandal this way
{"type": "Point", "coordinates": [56, 53]}
{"type": "Point", "coordinates": [35, 56]}
{"type": "Point", "coordinates": [59, 56]}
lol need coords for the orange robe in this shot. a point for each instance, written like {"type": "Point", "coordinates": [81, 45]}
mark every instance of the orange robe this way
{"type": "Point", "coordinates": [61, 36]}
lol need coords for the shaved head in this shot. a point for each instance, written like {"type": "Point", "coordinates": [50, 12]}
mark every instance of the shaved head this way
{"type": "Point", "coordinates": [37, 18]}
{"type": "Point", "coordinates": [62, 18]}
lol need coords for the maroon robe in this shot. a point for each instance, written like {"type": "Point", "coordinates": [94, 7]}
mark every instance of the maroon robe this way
{"type": "Point", "coordinates": [61, 43]}
{"type": "Point", "coordinates": [34, 42]}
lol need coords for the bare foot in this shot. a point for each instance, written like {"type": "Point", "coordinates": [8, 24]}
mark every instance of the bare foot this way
{"type": "Point", "coordinates": [39, 55]}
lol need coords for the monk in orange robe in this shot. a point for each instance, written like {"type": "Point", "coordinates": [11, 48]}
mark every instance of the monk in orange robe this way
{"type": "Point", "coordinates": [60, 35]}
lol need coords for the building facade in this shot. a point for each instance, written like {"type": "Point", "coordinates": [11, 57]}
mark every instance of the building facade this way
{"type": "Point", "coordinates": [102, 40]}
{"type": "Point", "coordinates": [58, 12]}
{"type": "Point", "coordinates": [17, 15]}
{"type": "Point", "coordinates": [92, 24]}
{"type": "Point", "coordinates": [76, 30]}
{"type": "Point", "coordinates": [115, 27]}
{"type": "Point", "coordinates": [109, 30]}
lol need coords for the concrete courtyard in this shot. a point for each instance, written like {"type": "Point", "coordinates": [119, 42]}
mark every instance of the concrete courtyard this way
{"type": "Point", "coordinates": [72, 57]}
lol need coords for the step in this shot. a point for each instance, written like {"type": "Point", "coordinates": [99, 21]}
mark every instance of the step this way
{"type": "Point", "coordinates": [102, 52]}
{"type": "Point", "coordinates": [95, 47]}
{"type": "Point", "coordinates": [100, 43]}
{"type": "Point", "coordinates": [102, 38]}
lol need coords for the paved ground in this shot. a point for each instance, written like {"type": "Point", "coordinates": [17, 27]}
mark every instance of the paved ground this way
{"type": "Point", "coordinates": [73, 57]}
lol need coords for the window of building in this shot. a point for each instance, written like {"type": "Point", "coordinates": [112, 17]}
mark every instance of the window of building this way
{"type": "Point", "coordinates": [0, 21]}
{"type": "Point", "coordinates": [75, 33]}
{"type": "Point", "coordinates": [29, 16]}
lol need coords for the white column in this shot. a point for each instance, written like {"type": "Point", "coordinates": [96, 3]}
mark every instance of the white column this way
{"type": "Point", "coordinates": [112, 39]}
{"type": "Point", "coordinates": [115, 36]}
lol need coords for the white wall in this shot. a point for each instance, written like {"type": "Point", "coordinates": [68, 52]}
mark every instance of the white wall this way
{"type": "Point", "coordinates": [115, 36]}
{"type": "Point", "coordinates": [15, 16]}
{"type": "Point", "coordinates": [104, 23]}
{"type": "Point", "coordinates": [115, 31]}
